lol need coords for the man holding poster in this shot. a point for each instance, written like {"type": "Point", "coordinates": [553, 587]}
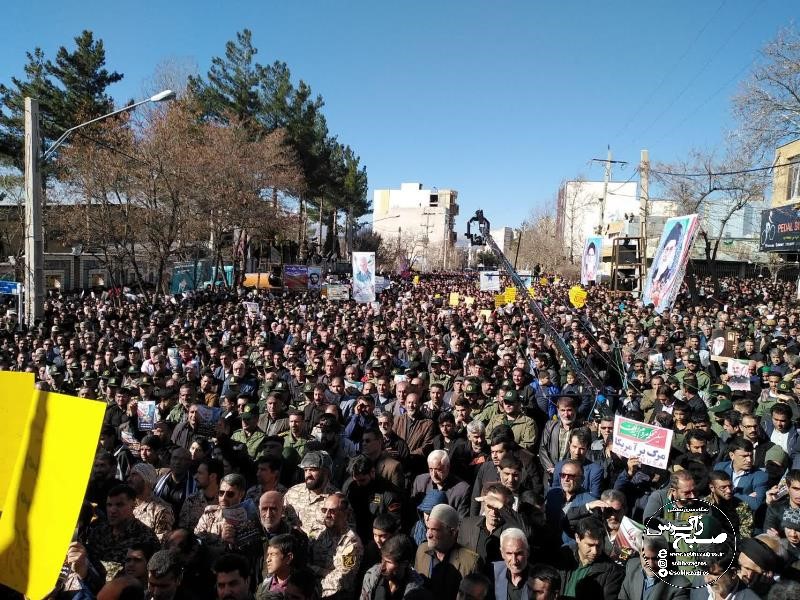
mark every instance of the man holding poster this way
{"type": "Point", "coordinates": [364, 277]}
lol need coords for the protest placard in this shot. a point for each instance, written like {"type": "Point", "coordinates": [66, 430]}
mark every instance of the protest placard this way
{"type": "Point", "coordinates": [649, 443]}
{"type": "Point", "coordinates": [739, 375]}
{"type": "Point", "coordinates": [454, 298]}
{"type": "Point", "coordinates": [146, 414]}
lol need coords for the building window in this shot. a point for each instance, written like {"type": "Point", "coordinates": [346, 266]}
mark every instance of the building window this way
{"type": "Point", "coordinates": [434, 201]}
{"type": "Point", "coordinates": [793, 182]}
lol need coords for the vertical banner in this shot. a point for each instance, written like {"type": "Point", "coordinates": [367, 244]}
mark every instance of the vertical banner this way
{"type": "Point", "coordinates": [590, 263]}
{"type": "Point", "coordinates": [295, 277]}
{"type": "Point", "coordinates": [669, 263]}
{"type": "Point", "coordinates": [364, 276]}
{"type": "Point", "coordinates": [47, 486]}
{"type": "Point", "coordinates": [490, 281]}
{"type": "Point", "coordinates": [314, 278]}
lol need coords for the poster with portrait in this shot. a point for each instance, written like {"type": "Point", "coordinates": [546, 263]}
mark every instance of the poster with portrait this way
{"type": "Point", "coordinates": [314, 278]}
{"type": "Point", "coordinates": [669, 262]}
{"type": "Point", "coordinates": [364, 277]}
{"type": "Point", "coordinates": [590, 259]}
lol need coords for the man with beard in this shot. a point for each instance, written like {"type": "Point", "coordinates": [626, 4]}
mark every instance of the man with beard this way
{"type": "Point", "coordinates": [103, 478]}
{"type": "Point", "coordinates": [758, 566]}
{"type": "Point", "coordinates": [335, 554]}
{"type": "Point", "coordinates": [560, 499]}
{"type": "Point", "coordinates": [394, 577]}
{"type": "Point", "coordinates": [164, 575]}
{"type": "Point", "coordinates": [150, 509]}
{"type": "Point", "coordinates": [306, 498]}
{"type": "Point", "coordinates": [340, 449]}
{"type": "Point", "coordinates": [177, 485]}
{"type": "Point", "coordinates": [556, 435]}
{"type": "Point", "coordinates": [749, 484]}
{"type": "Point", "coordinates": [739, 513]}
{"type": "Point", "coordinates": [414, 428]}
{"type": "Point", "coordinates": [386, 467]}
{"type": "Point", "coordinates": [369, 496]}
{"type": "Point", "coordinates": [641, 580]}
{"type": "Point", "coordinates": [586, 571]}
{"type": "Point", "coordinates": [207, 478]}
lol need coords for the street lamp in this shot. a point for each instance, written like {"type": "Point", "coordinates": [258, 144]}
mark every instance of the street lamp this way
{"type": "Point", "coordinates": [34, 247]}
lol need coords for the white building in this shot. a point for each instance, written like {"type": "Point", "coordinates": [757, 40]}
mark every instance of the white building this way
{"type": "Point", "coordinates": [503, 237]}
{"type": "Point", "coordinates": [418, 222]}
{"type": "Point", "coordinates": [578, 213]}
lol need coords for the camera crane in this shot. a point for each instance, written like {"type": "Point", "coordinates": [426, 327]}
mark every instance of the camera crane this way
{"type": "Point", "coordinates": [483, 237]}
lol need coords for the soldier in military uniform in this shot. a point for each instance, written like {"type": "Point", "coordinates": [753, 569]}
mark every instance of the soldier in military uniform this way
{"type": "Point", "coordinates": [232, 524]}
{"type": "Point", "coordinates": [306, 498]}
{"type": "Point", "coordinates": [296, 438]}
{"type": "Point", "coordinates": [693, 368]}
{"type": "Point", "coordinates": [335, 555]}
{"type": "Point", "coordinates": [522, 426]}
{"type": "Point", "coordinates": [250, 435]}
{"type": "Point", "coordinates": [439, 375]}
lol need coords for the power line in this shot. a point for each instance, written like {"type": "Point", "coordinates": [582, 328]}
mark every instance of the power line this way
{"type": "Point", "coordinates": [739, 172]}
{"type": "Point", "coordinates": [702, 69]}
{"type": "Point", "coordinates": [669, 73]}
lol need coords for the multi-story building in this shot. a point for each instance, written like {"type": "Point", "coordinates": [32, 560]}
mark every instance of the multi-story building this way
{"type": "Point", "coordinates": [786, 174]}
{"type": "Point", "coordinates": [581, 213]}
{"type": "Point", "coordinates": [418, 222]}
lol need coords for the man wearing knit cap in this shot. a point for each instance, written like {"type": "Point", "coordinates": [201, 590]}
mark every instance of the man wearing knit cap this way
{"type": "Point", "coordinates": [442, 559]}
{"type": "Point", "coordinates": [790, 523]}
{"type": "Point", "coordinates": [149, 508]}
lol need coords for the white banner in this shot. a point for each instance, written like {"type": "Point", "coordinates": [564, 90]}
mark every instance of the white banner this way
{"type": "Point", "coordinates": [649, 443]}
{"type": "Point", "coordinates": [490, 281]}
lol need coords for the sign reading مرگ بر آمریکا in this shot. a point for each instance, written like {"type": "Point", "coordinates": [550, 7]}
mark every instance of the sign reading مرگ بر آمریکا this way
{"type": "Point", "coordinates": [649, 443]}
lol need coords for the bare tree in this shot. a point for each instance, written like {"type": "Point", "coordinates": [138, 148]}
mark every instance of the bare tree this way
{"type": "Point", "coordinates": [717, 189]}
{"type": "Point", "coordinates": [574, 202]}
{"type": "Point", "coordinates": [536, 242]}
{"type": "Point", "coordinates": [768, 104]}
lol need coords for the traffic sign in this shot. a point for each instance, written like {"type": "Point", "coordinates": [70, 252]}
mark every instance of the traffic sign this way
{"type": "Point", "coordinates": [9, 287]}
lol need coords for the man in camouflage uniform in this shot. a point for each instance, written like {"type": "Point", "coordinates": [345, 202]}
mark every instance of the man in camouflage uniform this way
{"type": "Point", "coordinates": [295, 438]}
{"type": "Point", "coordinates": [306, 498]}
{"type": "Point", "coordinates": [335, 555]}
{"type": "Point", "coordinates": [231, 525]}
{"type": "Point", "coordinates": [208, 477]}
{"type": "Point", "coordinates": [108, 540]}
{"type": "Point", "coordinates": [150, 509]}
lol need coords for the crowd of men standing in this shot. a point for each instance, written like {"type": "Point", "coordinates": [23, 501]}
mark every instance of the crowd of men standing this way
{"type": "Point", "coordinates": [413, 449]}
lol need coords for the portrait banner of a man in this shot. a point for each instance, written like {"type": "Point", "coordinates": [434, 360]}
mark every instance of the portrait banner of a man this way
{"type": "Point", "coordinates": [669, 262]}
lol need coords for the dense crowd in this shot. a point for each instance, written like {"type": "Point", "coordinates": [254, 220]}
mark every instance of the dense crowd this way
{"type": "Point", "coordinates": [286, 446]}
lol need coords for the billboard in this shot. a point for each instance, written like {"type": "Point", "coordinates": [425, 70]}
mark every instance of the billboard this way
{"type": "Point", "coordinates": [364, 276]}
{"type": "Point", "coordinates": [490, 281]}
{"type": "Point", "coordinates": [295, 277]}
{"type": "Point", "coordinates": [669, 262]}
{"type": "Point", "coordinates": [780, 229]}
{"type": "Point", "coordinates": [590, 261]}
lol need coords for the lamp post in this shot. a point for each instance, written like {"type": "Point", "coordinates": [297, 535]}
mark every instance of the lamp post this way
{"type": "Point", "coordinates": [34, 247]}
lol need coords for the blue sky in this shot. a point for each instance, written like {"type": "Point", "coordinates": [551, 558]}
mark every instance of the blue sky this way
{"type": "Point", "coordinates": [499, 100]}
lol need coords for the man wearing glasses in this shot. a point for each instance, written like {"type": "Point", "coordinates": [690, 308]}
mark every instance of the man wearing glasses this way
{"type": "Point", "coordinates": [560, 499]}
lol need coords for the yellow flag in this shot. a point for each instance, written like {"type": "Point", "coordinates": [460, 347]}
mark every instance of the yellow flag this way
{"type": "Point", "coordinates": [511, 294]}
{"type": "Point", "coordinates": [543, 281]}
{"type": "Point", "coordinates": [469, 300]}
{"type": "Point", "coordinates": [47, 488]}
{"type": "Point", "coordinates": [577, 296]}
{"type": "Point", "coordinates": [532, 292]}
{"type": "Point", "coordinates": [15, 406]}
{"type": "Point", "coordinates": [415, 281]}
{"type": "Point", "coordinates": [499, 300]}
{"type": "Point", "coordinates": [454, 297]}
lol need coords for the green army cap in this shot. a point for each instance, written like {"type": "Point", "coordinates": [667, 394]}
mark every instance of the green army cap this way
{"type": "Point", "coordinates": [250, 411]}
{"type": "Point", "coordinates": [308, 388]}
{"type": "Point", "coordinates": [281, 386]}
{"type": "Point", "coordinates": [722, 406]}
{"type": "Point", "coordinates": [720, 389]}
{"type": "Point", "coordinates": [472, 388]}
{"type": "Point", "coordinates": [511, 397]}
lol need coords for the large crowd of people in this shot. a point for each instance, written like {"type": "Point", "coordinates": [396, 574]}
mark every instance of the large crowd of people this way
{"type": "Point", "coordinates": [268, 445]}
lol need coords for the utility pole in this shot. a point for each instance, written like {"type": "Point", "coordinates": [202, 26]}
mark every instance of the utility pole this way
{"type": "Point", "coordinates": [608, 162]}
{"type": "Point", "coordinates": [34, 259]}
{"type": "Point", "coordinates": [644, 203]}
{"type": "Point", "coordinates": [427, 216]}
